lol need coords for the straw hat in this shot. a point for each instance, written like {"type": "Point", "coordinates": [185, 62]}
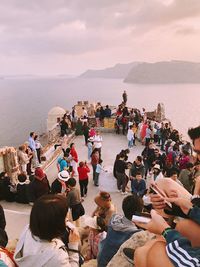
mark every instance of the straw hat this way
{"type": "Point", "coordinates": [63, 175]}
{"type": "Point", "coordinates": [103, 200]}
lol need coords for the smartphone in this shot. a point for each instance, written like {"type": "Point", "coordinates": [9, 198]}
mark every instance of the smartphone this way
{"type": "Point", "coordinates": [140, 219]}
{"type": "Point", "coordinates": [156, 190]}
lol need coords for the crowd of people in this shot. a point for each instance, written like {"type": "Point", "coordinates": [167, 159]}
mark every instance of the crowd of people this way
{"type": "Point", "coordinates": [163, 182]}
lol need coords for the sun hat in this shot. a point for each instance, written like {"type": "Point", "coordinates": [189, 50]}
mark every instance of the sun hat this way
{"type": "Point", "coordinates": [91, 222]}
{"type": "Point", "coordinates": [156, 166]}
{"type": "Point", "coordinates": [39, 173]}
{"type": "Point", "coordinates": [103, 200]}
{"type": "Point", "coordinates": [63, 175]}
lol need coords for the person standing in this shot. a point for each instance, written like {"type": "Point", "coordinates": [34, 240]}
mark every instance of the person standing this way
{"type": "Point", "coordinates": [99, 168]}
{"type": "Point", "coordinates": [85, 130]}
{"type": "Point", "coordinates": [120, 167]}
{"type": "Point", "coordinates": [94, 160]}
{"type": "Point", "coordinates": [98, 142]}
{"type": "Point", "coordinates": [73, 118]}
{"type": "Point", "coordinates": [83, 171]}
{"type": "Point", "coordinates": [23, 158]}
{"type": "Point", "coordinates": [38, 148]}
{"type": "Point", "coordinates": [74, 201]}
{"type": "Point", "coordinates": [124, 96]}
{"type": "Point", "coordinates": [32, 146]}
{"type": "Point", "coordinates": [74, 160]}
{"type": "Point", "coordinates": [130, 136]}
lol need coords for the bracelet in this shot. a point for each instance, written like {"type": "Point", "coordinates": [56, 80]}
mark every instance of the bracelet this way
{"type": "Point", "coordinates": [166, 231]}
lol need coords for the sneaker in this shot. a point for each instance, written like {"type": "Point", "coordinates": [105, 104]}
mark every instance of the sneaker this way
{"type": "Point", "coordinates": [119, 191]}
{"type": "Point", "coordinates": [128, 254]}
{"type": "Point", "coordinates": [124, 193]}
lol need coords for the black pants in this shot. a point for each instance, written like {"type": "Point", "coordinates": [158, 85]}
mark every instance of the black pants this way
{"type": "Point", "coordinates": [83, 187]}
{"type": "Point", "coordinates": [38, 154]}
{"type": "Point", "coordinates": [121, 181]}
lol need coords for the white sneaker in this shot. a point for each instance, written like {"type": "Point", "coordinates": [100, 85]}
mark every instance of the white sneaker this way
{"type": "Point", "coordinates": [124, 193]}
{"type": "Point", "coordinates": [119, 191]}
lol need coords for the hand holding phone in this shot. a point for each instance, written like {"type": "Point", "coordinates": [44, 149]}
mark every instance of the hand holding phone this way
{"type": "Point", "coordinates": [156, 190]}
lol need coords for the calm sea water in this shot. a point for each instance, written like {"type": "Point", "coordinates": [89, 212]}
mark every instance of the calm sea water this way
{"type": "Point", "coordinates": [24, 104]}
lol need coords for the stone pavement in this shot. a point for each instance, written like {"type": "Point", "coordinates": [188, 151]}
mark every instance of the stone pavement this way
{"type": "Point", "coordinates": [17, 215]}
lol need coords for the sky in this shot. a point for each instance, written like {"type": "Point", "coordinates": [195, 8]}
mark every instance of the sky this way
{"type": "Point", "coordinates": [50, 37]}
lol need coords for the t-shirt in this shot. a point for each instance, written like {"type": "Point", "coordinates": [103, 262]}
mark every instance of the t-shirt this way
{"type": "Point", "coordinates": [62, 163]}
{"type": "Point", "coordinates": [73, 197]}
{"type": "Point", "coordinates": [97, 141]}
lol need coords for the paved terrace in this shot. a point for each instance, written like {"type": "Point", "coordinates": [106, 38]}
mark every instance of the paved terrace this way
{"type": "Point", "coordinates": [17, 215]}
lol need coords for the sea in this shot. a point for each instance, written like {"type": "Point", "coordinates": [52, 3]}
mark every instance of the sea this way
{"type": "Point", "coordinates": [25, 103]}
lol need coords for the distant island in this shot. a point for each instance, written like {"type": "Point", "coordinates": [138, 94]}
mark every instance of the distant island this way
{"type": "Point", "coordinates": [119, 71]}
{"type": "Point", "coordinates": [164, 72]}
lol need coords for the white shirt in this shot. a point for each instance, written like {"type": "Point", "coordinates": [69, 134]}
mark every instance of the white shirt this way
{"type": "Point", "coordinates": [97, 141]}
{"type": "Point", "coordinates": [130, 135]}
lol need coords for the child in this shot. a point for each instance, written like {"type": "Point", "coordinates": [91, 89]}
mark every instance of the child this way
{"type": "Point", "coordinates": [97, 232]}
{"type": "Point", "coordinates": [83, 171]}
{"type": "Point", "coordinates": [130, 136]}
{"type": "Point", "coordinates": [138, 185]}
{"type": "Point", "coordinates": [98, 170]}
{"type": "Point", "coordinates": [74, 201]}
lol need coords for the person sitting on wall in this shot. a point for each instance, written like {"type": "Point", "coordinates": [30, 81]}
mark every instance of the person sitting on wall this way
{"type": "Point", "coordinates": [64, 125]}
{"type": "Point", "coordinates": [107, 112]}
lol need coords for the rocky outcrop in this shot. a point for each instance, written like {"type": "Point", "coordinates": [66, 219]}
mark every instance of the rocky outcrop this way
{"type": "Point", "coordinates": [119, 71]}
{"type": "Point", "coordinates": [164, 72]}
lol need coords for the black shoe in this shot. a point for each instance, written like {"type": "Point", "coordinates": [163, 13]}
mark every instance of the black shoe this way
{"type": "Point", "coordinates": [128, 254]}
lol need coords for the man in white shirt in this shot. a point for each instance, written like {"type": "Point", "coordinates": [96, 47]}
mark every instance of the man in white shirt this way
{"type": "Point", "coordinates": [97, 139]}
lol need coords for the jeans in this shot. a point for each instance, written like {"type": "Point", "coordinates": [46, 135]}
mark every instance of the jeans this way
{"type": "Point", "coordinates": [96, 179]}
{"type": "Point", "coordinates": [130, 143]}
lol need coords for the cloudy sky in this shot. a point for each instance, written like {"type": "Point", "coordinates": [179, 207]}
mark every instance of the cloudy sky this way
{"type": "Point", "coordinates": [70, 36]}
